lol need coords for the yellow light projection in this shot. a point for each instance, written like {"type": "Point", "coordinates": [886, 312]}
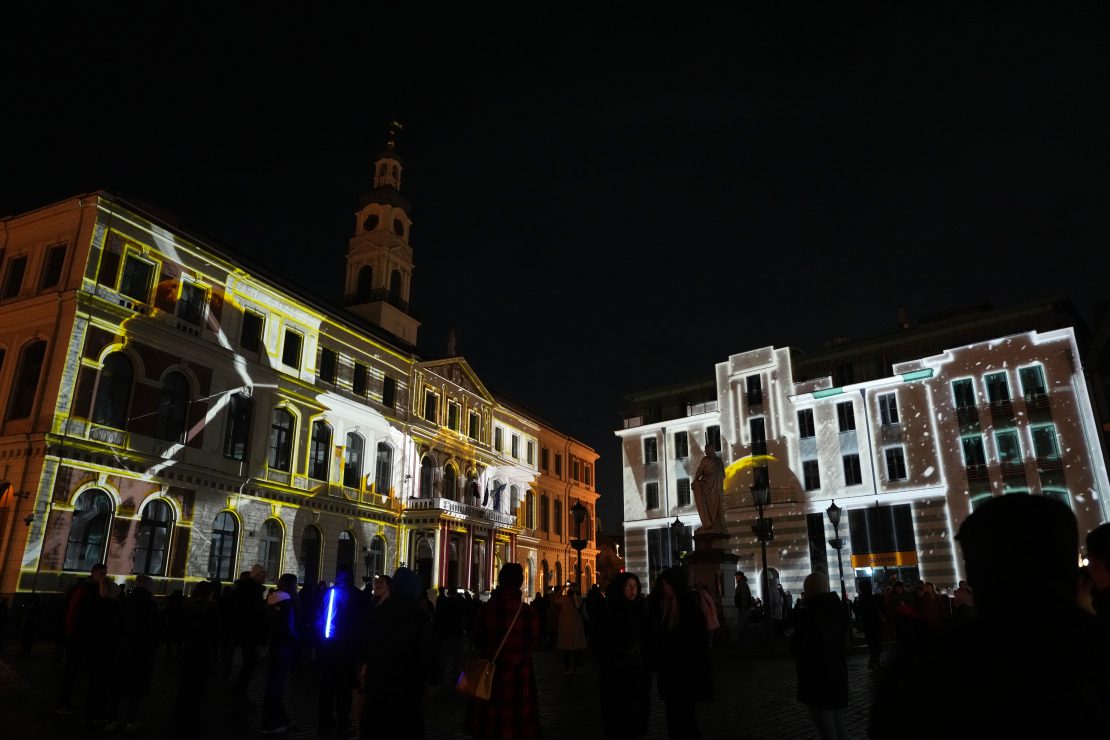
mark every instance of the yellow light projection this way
{"type": "Point", "coordinates": [750, 461]}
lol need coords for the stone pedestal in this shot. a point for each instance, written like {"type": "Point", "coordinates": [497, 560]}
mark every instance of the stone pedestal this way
{"type": "Point", "coordinates": [713, 564]}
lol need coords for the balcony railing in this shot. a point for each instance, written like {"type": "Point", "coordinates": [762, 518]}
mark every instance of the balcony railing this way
{"type": "Point", "coordinates": [379, 294]}
{"type": "Point", "coordinates": [977, 472]}
{"type": "Point", "coordinates": [1012, 467]}
{"type": "Point", "coordinates": [755, 398]}
{"type": "Point", "coordinates": [744, 499]}
{"type": "Point", "coordinates": [1049, 462]}
{"type": "Point", "coordinates": [1003, 407]}
{"type": "Point", "coordinates": [454, 507]}
{"type": "Point", "coordinates": [1036, 401]}
{"type": "Point", "coordinates": [967, 414]}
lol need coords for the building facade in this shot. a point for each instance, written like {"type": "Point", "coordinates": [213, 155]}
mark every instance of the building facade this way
{"type": "Point", "coordinates": [174, 408]}
{"type": "Point", "coordinates": [907, 456]}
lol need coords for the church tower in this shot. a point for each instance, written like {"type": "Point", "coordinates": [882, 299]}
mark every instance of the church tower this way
{"type": "Point", "coordinates": [379, 258]}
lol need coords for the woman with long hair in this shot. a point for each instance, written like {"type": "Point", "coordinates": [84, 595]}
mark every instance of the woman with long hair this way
{"type": "Point", "coordinates": [624, 650]}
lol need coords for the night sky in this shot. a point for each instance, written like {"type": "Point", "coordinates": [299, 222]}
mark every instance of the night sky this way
{"type": "Point", "coordinates": [602, 204]}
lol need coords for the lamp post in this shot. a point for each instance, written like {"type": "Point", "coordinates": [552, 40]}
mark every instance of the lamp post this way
{"type": "Point", "coordinates": [761, 495]}
{"type": "Point", "coordinates": [676, 540]}
{"type": "Point", "coordinates": [837, 543]}
{"type": "Point", "coordinates": [578, 511]}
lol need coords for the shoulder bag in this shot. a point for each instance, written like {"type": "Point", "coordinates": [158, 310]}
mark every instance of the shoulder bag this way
{"type": "Point", "coordinates": [477, 674]}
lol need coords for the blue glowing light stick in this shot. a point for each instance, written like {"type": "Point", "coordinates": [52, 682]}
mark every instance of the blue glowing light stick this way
{"type": "Point", "coordinates": [331, 613]}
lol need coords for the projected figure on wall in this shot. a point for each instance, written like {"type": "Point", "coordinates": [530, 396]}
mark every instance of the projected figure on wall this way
{"type": "Point", "coordinates": [709, 492]}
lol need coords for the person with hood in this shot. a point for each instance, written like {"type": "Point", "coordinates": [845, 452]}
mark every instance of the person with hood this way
{"type": "Point", "coordinates": [142, 628]}
{"type": "Point", "coordinates": [871, 620]}
{"type": "Point", "coordinates": [572, 632]}
{"type": "Point", "coordinates": [820, 629]}
{"type": "Point", "coordinates": [248, 615]}
{"type": "Point", "coordinates": [624, 648]}
{"type": "Point", "coordinates": [78, 623]}
{"type": "Point", "coordinates": [513, 707]}
{"type": "Point", "coordinates": [681, 653]}
{"type": "Point", "coordinates": [200, 638]}
{"type": "Point", "coordinates": [282, 619]}
{"type": "Point", "coordinates": [337, 622]}
{"type": "Point", "coordinates": [398, 644]}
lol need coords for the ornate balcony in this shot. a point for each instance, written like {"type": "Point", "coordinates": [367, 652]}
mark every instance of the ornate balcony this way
{"type": "Point", "coordinates": [454, 507]}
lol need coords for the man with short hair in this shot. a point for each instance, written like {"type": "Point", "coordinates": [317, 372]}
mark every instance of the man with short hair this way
{"type": "Point", "coordinates": [78, 632]}
{"type": "Point", "coordinates": [1098, 568]}
{"type": "Point", "coordinates": [337, 619]}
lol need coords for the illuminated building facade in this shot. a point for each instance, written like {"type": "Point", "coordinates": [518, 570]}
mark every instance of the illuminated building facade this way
{"type": "Point", "coordinates": [907, 454]}
{"type": "Point", "coordinates": [172, 407]}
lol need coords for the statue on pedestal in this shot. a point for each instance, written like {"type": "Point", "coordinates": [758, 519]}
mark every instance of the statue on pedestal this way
{"type": "Point", "coordinates": [709, 493]}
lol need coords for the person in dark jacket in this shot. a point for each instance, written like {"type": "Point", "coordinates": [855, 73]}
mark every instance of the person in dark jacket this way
{"type": "Point", "coordinates": [542, 604]}
{"type": "Point", "coordinates": [281, 622]}
{"type": "Point", "coordinates": [624, 645]}
{"type": "Point", "coordinates": [821, 627]}
{"type": "Point", "coordinates": [682, 652]}
{"type": "Point", "coordinates": [398, 644]}
{"type": "Point", "coordinates": [450, 624]}
{"type": "Point", "coordinates": [595, 606]}
{"type": "Point", "coordinates": [248, 617]}
{"type": "Point", "coordinates": [200, 634]}
{"type": "Point", "coordinates": [172, 610]}
{"type": "Point", "coordinates": [105, 631]}
{"type": "Point", "coordinates": [870, 613]}
{"type": "Point", "coordinates": [742, 600]}
{"type": "Point", "coordinates": [1098, 569]}
{"type": "Point", "coordinates": [77, 627]}
{"type": "Point", "coordinates": [142, 631]}
{"type": "Point", "coordinates": [337, 622]}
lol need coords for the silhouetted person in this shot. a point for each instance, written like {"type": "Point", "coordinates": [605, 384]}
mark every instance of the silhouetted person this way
{"type": "Point", "coordinates": [174, 603]}
{"type": "Point", "coordinates": [450, 624]}
{"type": "Point", "coordinates": [1098, 569]}
{"type": "Point", "coordinates": [282, 619]}
{"type": "Point", "coordinates": [5, 613]}
{"type": "Point", "coordinates": [141, 633]}
{"type": "Point", "coordinates": [200, 634]}
{"type": "Point", "coordinates": [595, 606]}
{"type": "Point", "coordinates": [337, 621]}
{"type": "Point", "coordinates": [32, 616]}
{"type": "Point", "coordinates": [1013, 671]}
{"type": "Point", "coordinates": [105, 667]}
{"type": "Point", "coordinates": [821, 627]}
{"type": "Point", "coordinates": [870, 612]}
{"type": "Point", "coordinates": [78, 627]}
{"type": "Point", "coordinates": [624, 645]}
{"type": "Point", "coordinates": [742, 600]}
{"type": "Point", "coordinates": [682, 653]}
{"type": "Point", "coordinates": [248, 615]}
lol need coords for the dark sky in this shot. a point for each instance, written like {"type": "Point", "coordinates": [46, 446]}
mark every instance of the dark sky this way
{"type": "Point", "coordinates": [602, 203]}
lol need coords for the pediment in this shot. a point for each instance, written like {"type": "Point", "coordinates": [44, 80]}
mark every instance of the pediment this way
{"type": "Point", "coordinates": [460, 373]}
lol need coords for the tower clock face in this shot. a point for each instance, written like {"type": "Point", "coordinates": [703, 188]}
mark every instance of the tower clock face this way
{"type": "Point", "coordinates": [399, 226]}
{"type": "Point", "coordinates": [370, 223]}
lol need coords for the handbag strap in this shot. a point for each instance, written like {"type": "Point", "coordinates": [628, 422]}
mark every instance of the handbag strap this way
{"type": "Point", "coordinates": [506, 637]}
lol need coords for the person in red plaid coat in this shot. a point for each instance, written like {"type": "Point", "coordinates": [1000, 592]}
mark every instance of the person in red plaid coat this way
{"type": "Point", "coordinates": [512, 712]}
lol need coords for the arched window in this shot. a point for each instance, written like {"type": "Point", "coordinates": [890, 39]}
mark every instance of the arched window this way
{"type": "Point", "coordinates": [545, 522]}
{"type": "Point", "coordinates": [559, 575]}
{"type": "Point", "coordinates": [269, 548]}
{"type": "Point", "coordinates": [352, 461]}
{"type": "Point", "coordinates": [88, 531]}
{"type": "Point", "coordinates": [27, 381]}
{"type": "Point", "coordinates": [589, 578]}
{"type": "Point", "coordinates": [113, 391]}
{"type": "Point", "coordinates": [281, 440]}
{"type": "Point", "coordinates": [308, 567]}
{"type": "Point", "coordinates": [395, 286]}
{"type": "Point", "coordinates": [528, 590]}
{"type": "Point", "coordinates": [427, 474]}
{"type": "Point", "coordinates": [381, 170]}
{"type": "Point", "coordinates": [472, 491]}
{"type": "Point", "coordinates": [365, 283]}
{"type": "Point", "coordinates": [395, 172]}
{"type": "Point", "coordinates": [546, 574]}
{"type": "Point", "coordinates": [529, 513]}
{"type": "Point", "coordinates": [558, 515]}
{"type": "Point", "coordinates": [173, 407]}
{"type": "Point", "coordinates": [514, 500]}
{"type": "Point", "coordinates": [383, 476]}
{"type": "Point", "coordinates": [345, 553]}
{"type": "Point", "coordinates": [153, 543]}
{"type": "Point", "coordinates": [450, 482]}
{"type": "Point", "coordinates": [319, 452]}
{"type": "Point", "coordinates": [225, 540]}
{"type": "Point", "coordinates": [377, 556]}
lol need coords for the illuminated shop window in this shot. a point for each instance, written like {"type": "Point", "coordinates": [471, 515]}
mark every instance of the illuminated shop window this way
{"type": "Point", "coordinates": [895, 464]}
{"type": "Point", "coordinates": [383, 474]}
{"type": "Point", "coordinates": [13, 278]}
{"type": "Point", "coordinates": [846, 416]}
{"type": "Point", "coordinates": [888, 409]}
{"type": "Point", "coordinates": [389, 391]}
{"type": "Point", "coordinates": [250, 335]}
{"type": "Point", "coordinates": [88, 531]}
{"type": "Point", "coordinates": [329, 365]}
{"type": "Point", "coordinates": [27, 381]}
{"type": "Point", "coordinates": [852, 474]}
{"type": "Point", "coordinates": [221, 552]}
{"type": "Point", "coordinates": [291, 351]}
{"type": "Point", "coordinates": [361, 379]}
{"type": "Point", "coordinates": [811, 475]}
{"type": "Point", "coordinates": [319, 454]}
{"type": "Point", "coordinates": [997, 387]}
{"type": "Point", "coordinates": [190, 306]}
{"type": "Point", "coordinates": [52, 271]}
{"type": "Point", "coordinates": [651, 450]}
{"type": "Point", "coordinates": [377, 556]}
{"type": "Point", "coordinates": [681, 445]}
{"type": "Point", "coordinates": [308, 565]}
{"type": "Point", "coordinates": [427, 477]}
{"type": "Point", "coordinates": [652, 495]}
{"type": "Point", "coordinates": [516, 446]}
{"type": "Point", "coordinates": [153, 541]}
{"type": "Point", "coordinates": [113, 391]}
{"type": "Point", "coordinates": [805, 424]}
{"type": "Point", "coordinates": [239, 408]}
{"type": "Point", "coordinates": [557, 514]}
{"type": "Point", "coordinates": [683, 491]}
{"type": "Point", "coordinates": [963, 393]}
{"type": "Point", "coordinates": [1032, 381]}
{"type": "Point", "coordinates": [136, 279]}
{"type": "Point", "coordinates": [531, 453]}
{"type": "Point", "coordinates": [269, 547]}
{"type": "Point", "coordinates": [345, 551]}
{"type": "Point", "coordinates": [352, 461]}
{"type": "Point", "coordinates": [173, 408]}
{"type": "Point", "coordinates": [450, 482]}
{"type": "Point", "coordinates": [545, 514]}
{"type": "Point", "coordinates": [281, 440]}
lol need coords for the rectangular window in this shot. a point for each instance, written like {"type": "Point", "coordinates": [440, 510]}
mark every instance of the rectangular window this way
{"type": "Point", "coordinates": [811, 475]}
{"type": "Point", "coordinates": [761, 478]}
{"type": "Point", "coordinates": [389, 392]}
{"type": "Point", "coordinates": [651, 450]}
{"type": "Point", "coordinates": [474, 432]}
{"type": "Point", "coordinates": [430, 410]}
{"type": "Point", "coordinates": [805, 424]}
{"type": "Point", "coordinates": [681, 446]}
{"type": "Point", "coordinates": [453, 417]}
{"type": "Point", "coordinates": [291, 352]}
{"type": "Point", "coordinates": [973, 451]}
{"type": "Point", "coordinates": [361, 380]}
{"type": "Point", "coordinates": [895, 464]}
{"type": "Point", "coordinates": [574, 470]}
{"type": "Point", "coordinates": [652, 494]}
{"type": "Point", "coordinates": [13, 280]}
{"type": "Point", "coordinates": [1044, 441]}
{"type": "Point", "coordinates": [758, 428]}
{"type": "Point", "coordinates": [135, 282]}
{"type": "Point", "coordinates": [888, 409]}
{"type": "Point", "coordinates": [589, 475]}
{"type": "Point", "coordinates": [713, 437]}
{"type": "Point", "coordinates": [558, 465]}
{"type": "Point", "coordinates": [1032, 381]}
{"type": "Point", "coordinates": [497, 441]}
{"type": "Point", "coordinates": [251, 333]}
{"type": "Point", "coordinates": [683, 491]}
{"type": "Point", "coordinates": [238, 426]}
{"type": "Point", "coordinates": [852, 474]}
{"type": "Point", "coordinates": [755, 390]}
{"type": "Point", "coordinates": [544, 456]}
{"type": "Point", "coordinates": [329, 365]}
{"type": "Point", "coordinates": [532, 454]}
{"type": "Point", "coordinates": [52, 272]}
{"type": "Point", "coordinates": [515, 446]}
{"type": "Point", "coordinates": [190, 306]}
{"type": "Point", "coordinates": [964, 393]}
{"type": "Point", "coordinates": [1009, 449]}
{"type": "Point", "coordinates": [997, 387]}
{"type": "Point", "coordinates": [846, 416]}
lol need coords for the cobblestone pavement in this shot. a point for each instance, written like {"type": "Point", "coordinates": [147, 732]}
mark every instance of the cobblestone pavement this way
{"type": "Point", "coordinates": [754, 699]}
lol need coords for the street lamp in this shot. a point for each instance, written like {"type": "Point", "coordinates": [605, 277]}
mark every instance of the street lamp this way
{"type": "Point", "coordinates": [837, 543]}
{"type": "Point", "coordinates": [676, 540]}
{"type": "Point", "coordinates": [578, 511]}
{"type": "Point", "coordinates": [761, 495]}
